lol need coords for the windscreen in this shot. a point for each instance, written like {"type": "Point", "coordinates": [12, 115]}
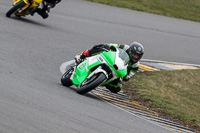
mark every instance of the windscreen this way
{"type": "Point", "coordinates": [123, 55]}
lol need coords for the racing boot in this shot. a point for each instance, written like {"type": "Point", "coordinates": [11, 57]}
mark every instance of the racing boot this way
{"type": "Point", "coordinates": [114, 86]}
{"type": "Point", "coordinates": [113, 89]}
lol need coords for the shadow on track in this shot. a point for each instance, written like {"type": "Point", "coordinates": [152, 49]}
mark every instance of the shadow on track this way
{"type": "Point", "coordinates": [25, 20]}
{"type": "Point", "coordinates": [86, 95]}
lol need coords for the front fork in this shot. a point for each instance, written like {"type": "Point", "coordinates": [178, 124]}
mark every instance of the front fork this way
{"type": "Point", "coordinates": [17, 1]}
{"type": "Point", "coordinates": [71, 78]}
{"type": "Point", "coordinates": [23, 8]}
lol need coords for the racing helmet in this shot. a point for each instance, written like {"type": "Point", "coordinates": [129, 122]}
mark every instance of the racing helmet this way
{"type": "Point", "coordinates": [135, 51]}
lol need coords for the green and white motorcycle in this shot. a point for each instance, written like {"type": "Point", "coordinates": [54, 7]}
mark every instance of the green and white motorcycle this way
{"type": "Point", "coordinates": [95, 70]}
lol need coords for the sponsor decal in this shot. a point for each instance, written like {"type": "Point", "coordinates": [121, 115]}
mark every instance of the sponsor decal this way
{"type": "Point", "coordinates": [82, 66]}
{"type": "Point", "coordinates": [100, 59]}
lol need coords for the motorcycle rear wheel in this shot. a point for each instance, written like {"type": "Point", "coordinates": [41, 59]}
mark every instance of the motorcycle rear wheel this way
{"type": "Point", "coordinates": [15, 8]}
{"type": "Point", "coordinates": [91, 83]}
{"type": "Point", "coordinates": [65, 79]}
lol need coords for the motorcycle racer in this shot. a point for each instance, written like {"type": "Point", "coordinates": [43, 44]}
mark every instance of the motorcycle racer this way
{"type": "Point", "coordinates": [135, 52]}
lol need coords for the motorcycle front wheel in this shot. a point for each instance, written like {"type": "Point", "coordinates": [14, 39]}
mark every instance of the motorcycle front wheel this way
{"type": "Point", "coordinates": [65, 79]}
{"type": "Point", "coordinates": [15, 8]}
{"type": "Point", "coordinates": [91, 83]}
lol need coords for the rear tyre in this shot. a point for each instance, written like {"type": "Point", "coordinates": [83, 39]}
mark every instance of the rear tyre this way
{"type": "Point", "coordinates": [15, 8]}
{"type": "Point", "coordinates": [65, 79]}
{"type": "Point", "coordinates": [91, 83]}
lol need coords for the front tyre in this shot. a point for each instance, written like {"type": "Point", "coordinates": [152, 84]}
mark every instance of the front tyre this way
{"type": "Point", "coordinates": [65, 79]}
{"type": "Point", "coordinates": [15, 8]}
{"type": "Point", "coordinates": [91, 83]}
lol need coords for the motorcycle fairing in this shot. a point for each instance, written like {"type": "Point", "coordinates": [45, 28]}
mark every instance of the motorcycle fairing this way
{"type": "Point", "coordinates": [83, 70]}
{"type": "Point", "coordinates": [117, 66]}
{"type": "Point", "coordinates": [35, 3]}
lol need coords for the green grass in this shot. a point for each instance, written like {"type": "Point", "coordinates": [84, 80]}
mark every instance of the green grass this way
{"type": "Point", "coordinates": [175, 93]}
{"type": "Point", "coordinates": [183, 9]}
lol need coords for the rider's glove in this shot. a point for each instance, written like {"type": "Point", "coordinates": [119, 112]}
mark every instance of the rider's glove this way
{"type": "Point", "coordinates": [127, 77]}
{"type": "Point", "coordinates": [78, 58]}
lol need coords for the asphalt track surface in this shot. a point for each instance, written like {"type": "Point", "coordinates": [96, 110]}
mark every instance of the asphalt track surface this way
{"type": "Point", "coordinates": [32, 100]}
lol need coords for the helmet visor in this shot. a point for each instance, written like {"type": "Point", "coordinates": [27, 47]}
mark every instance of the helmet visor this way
{"type": "Point", "coordinates": [136, 56]}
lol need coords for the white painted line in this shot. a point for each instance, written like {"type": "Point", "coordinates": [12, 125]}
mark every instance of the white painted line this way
{"type": "Point", "coordinates": [176, 63]}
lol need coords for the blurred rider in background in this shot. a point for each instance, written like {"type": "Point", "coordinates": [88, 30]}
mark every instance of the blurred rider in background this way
{"type": "Point", "coordinates": [135, 52]}
{"type": "Point", "coordinates": [47, 5]}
